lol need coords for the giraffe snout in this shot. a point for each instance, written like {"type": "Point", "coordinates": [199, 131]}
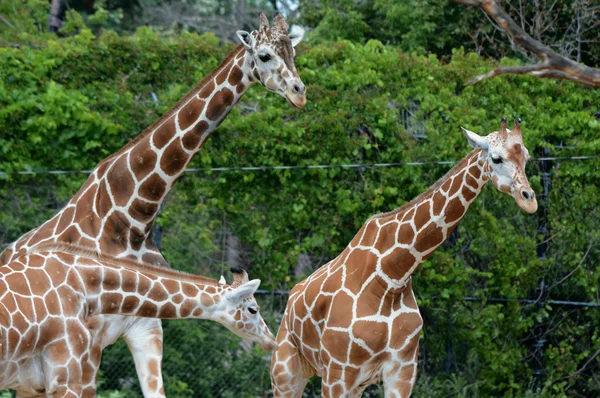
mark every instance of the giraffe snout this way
{"type": "Point", "coordinates": [528, 194]}
{"type": "Point", "coordinates": [299, 88]}
{"type": "Point", "coordinates": [270, 345]}
{"type": "Point", "coordinates": [295, 93]}
{"type": "Point", "coordinates": [526, 199]}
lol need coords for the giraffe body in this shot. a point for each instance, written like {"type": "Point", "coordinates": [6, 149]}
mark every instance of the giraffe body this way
{"type": "Point", "coordinates": [114, 211]}
{"type": "Point", "coordinates": [50, 300]}
{"type": "Point", "coordinates": [355, 321]}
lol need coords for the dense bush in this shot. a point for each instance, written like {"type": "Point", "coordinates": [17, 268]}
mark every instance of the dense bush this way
{"type": "Point", "coordinates": [67, 103]}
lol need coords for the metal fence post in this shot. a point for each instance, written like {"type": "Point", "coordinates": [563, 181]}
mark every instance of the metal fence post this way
{"type": "Point", "coordinates": [542, 252]}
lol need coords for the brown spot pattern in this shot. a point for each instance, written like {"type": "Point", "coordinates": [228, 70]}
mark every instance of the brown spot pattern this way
{"type": "Point", "coordinates": [164, 133]}
{"type": "Point", "coordinates": [120, 181]}
{"type": "Point", "coordinates": [192, 138]}
{"type": "Point", "coordinates": [190, 113]}
{"type": "Point", "coordinates": [173, 159]}
{"type": "Point", "coordinates": [219, 103]}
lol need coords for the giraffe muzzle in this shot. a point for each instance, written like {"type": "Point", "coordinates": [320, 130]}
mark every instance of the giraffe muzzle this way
{"type": "Point", "coordinates": [296, 100]}
{"type": "Point", "coordinates": [270, 345]}
{"type": "Point", "coordinates": [526, 200]}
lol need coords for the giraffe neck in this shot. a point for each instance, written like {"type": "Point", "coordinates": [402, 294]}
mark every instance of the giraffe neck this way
{"type": "Point", "coordinates": [141, 174]}
{"type": "Point", "coordinates": [398, 242]}
{"type": "Point", "coordinates": [124, 287]}
{"type": "Point", "coordinates": [113, 212]}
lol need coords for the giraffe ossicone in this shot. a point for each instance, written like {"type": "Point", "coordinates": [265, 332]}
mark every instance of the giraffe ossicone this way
{"type": "Point", "coordinates": [508, 158]}
{"type": "Point", "coordinates": [114, 211]}
{"type": "Point", "coordinates": [272, 49]}
{"type": "Point", "coordinates": [50, 297]}
{"type": "Point", "coordinates": [355, 321]}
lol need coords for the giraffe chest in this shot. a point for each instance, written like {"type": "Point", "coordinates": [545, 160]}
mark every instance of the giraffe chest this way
{"type": "Point", "coordinates": [26, 375]}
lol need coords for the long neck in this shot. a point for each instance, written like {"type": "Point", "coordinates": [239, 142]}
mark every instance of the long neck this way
{"type": "Point", "coordinates": [401, 240]}
{"type": "Point", "coordinates": [143, 172]}
{"type": "Point", "coordinates": [116, 207]}
{"type": "Point", "coordinates": [128, 288]}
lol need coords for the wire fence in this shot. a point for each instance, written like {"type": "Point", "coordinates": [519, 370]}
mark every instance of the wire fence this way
{"type": "Point", "coordinates": [300, 167]}
{"type": "Point", "coordinates": [203, 359]}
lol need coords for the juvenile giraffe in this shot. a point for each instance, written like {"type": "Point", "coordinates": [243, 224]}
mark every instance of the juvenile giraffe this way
{"type": "Point", "coordinates": [50, 297]}
{"type": "Point", "coordinates": [355, 321]}
{"type": "Point", "coordinates": [114, 211]}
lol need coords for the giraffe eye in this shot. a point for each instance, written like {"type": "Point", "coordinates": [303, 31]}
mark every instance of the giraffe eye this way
{"type": "Point", "coordinates": [252, 310]}
{"type": "Point", "coordinates": [496, 160]}
{"type": "Point", "coordinates": [265, 57]}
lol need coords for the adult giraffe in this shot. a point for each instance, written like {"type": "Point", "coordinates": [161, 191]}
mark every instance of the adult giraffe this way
{"type": "Point", "coordinates": [114, 211]}
{"type": "Point", "coordinates": [48, 299]}
{"type": "Point", "coordinates": [355, 321]}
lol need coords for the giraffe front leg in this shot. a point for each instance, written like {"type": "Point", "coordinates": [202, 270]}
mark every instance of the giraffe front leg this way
{"type": "Point", "coordinates": [401, 383]}
{"type": "Point", "coordinates": [67, 391]}
{"type": "Point", "coordinates": [145, 341]}
{"type": "Point", "coordinates": [340, 381]}
{"type": "Point", "coordinates": [62, 373]}
{"type": "Point", "coordinates": [288, 375]}
{"type": "Point", "coordinates": [399, 378]}
{"type": "Point", "coordinates": [64, 361]}
{"type": "Point", "coordinates": [90, 370]}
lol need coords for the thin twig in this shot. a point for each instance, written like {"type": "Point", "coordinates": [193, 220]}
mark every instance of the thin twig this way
{"type": "Point", "coordinates": [581, 369]}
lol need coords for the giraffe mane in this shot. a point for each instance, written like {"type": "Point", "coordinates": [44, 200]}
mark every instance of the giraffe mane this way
{"type": "Point", "coordinates": [125, 263]}
{"type": "Point", "coordinates": [195, 90]}
{"type": "Point", "coordinates": [431, 189]}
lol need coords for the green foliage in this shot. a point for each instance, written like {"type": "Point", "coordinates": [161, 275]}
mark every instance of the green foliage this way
{"type": "Point", "coordinates": [68, 103]}
{"type": "Point", "coordinates": [414, 25]}
{"type": "Point", "coordinates": [439, 26]}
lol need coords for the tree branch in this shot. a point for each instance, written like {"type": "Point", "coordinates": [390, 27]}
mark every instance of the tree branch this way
{"type": "Point", "coordinates": [6, 22]}
{"type": "Point", "coordinates": [581, 369]}
{"type": "Point", "coordinates": [552, 65]}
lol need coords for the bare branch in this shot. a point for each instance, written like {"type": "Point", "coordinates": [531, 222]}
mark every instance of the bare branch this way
{"type": "Point", "coordinates": [3, 19]}
{"type": "Point", "coordinates": [513, 70]}
{"type": "Point", "coordinates": [581, 369]}
{"type": "Point", "coordinates": [553, 65]}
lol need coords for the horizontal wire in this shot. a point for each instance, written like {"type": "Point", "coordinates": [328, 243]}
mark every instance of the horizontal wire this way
{"type": "Point", "coordinates": [298, 167]}
{"type": "Point", "coordinates": [261, 292]}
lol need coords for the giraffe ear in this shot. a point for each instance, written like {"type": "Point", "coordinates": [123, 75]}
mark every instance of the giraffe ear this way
{"type": "Point", "coordinates": [245, 291]}
{"type": "Point", "coordinates": [245, 38]}
{"type": "Point", "coordinates": [296, 38]}
{"type": "Point", "coordinates": [222, 281]}
{"type": "Point", "coordinates": [476, 141]}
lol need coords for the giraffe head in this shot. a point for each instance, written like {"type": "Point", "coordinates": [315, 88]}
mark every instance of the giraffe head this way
{"type": "Point", "coordinates": [272, 52]}
{"type": "Point", "coordinates": [239, 311]}
{"type": "Point", "coordinates": [506, 157]}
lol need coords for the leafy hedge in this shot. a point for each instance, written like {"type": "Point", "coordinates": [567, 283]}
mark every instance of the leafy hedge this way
{"type": "Point", "coordinates": [67, 103]}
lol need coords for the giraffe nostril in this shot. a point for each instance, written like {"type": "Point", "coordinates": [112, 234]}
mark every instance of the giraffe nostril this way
{"type": "Point", "coordinates": [299, 89]}
{"type": "Point", "coordinates": [528, 195]}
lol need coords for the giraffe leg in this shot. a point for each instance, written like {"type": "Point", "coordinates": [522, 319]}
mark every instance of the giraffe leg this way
{"type": "Point", "coordinates": [145, 341]}
{"type": "Point", "coordinates": [64, 360]}
{"type": "Point", "coordinates": [67, 391]}
{"type": "Point", "coordinates": [288, 375]}
{"type": "Point", "coordinates": [339, 381]}
{"type": "Point", "coordinates": [90, 371]}
{"type": "Point", "coordinates": [399, 380]}
{"type": "Point", "coordinates": [63, 378]}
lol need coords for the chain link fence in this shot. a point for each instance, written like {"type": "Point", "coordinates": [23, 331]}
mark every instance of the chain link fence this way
{"type": "Point", "coordinates": [203, 359]}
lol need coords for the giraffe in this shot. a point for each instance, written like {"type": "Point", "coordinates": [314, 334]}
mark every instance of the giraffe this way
{"type": "Point", "coordinates": [49, 299]}
{"type": "Point", "coordinates": [355, 321]}
{"type": "Point", "coordinates": [114, 211]}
